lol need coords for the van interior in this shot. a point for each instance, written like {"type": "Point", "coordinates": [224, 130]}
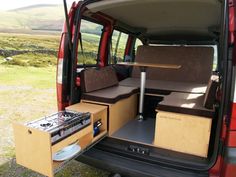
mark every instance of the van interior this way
{"type": "Point", "coordinates": [181, 105]}
{"type": "Point", "coordinates": [161, 101]}
{"type": "Point", "coordinates": [191, 96]}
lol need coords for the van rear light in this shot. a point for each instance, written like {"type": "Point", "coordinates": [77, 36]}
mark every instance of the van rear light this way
{"type": "Point", "coordinates": [61, 100]}
{"type": "Point", "coordinates": [78, 81]}
{"type": "Point", "coordinates": [59, 70]}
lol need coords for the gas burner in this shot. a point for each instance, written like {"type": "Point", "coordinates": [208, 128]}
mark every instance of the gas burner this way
{"type": "Point", "coordinates": [46, 124]}
{"type": "Point", "coordinates": [61, 124]}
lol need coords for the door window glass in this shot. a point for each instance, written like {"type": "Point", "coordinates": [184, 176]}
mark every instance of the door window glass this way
{"type": "Point", "coordinates": [118, 45]}
{"type": "Point", "coordinates": [138, 42]}
{"type": "Point", "coordinates": [90, 33]}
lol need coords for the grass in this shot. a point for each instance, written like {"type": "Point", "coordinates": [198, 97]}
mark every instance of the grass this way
{"type": "Point", "coordinates": [28, 76]}
{"type": "Point", "coordinates": [22, 42]}
{"type": "Point", "coordinates": [33, 59]}
{"type": "Point", "coordinates": [40, 42]}
{"type": "Point", "coordinates": [26, 93]}
{"type": "Point", "coordinates": [28, 42]}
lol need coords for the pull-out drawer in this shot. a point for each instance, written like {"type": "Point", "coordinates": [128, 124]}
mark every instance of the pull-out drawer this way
{"type": "Point", "coordinates": [35, 149]}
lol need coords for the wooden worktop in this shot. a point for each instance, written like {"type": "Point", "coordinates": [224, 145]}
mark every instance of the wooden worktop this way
{"type": "Point", "coordinates": [154, 65]}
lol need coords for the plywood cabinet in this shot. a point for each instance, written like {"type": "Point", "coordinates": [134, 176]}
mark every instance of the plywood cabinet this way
{"type": "Point", "coordinates": [35, 150]}
{"type": "Point", "coordinates": [98, 112]}
{"type": "Point", "coordinates": [120, 113]}
{"type": "Point", "coordinates": [183, 133]}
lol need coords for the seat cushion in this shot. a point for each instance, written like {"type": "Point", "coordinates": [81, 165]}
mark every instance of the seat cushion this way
{"type": "Point", "coordinates": [196, 63]}
{"type": "Point", "coordinates": [165, 87]}
{"type": "Point", "coordinates": [95, 79]}
{"type": "Point", "coordinates": [111, 94]}
{"type": "Point", "coordinates": [185, 103]}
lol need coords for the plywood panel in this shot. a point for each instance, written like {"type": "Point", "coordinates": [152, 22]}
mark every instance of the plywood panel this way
{"type": "Point", "coordinates": [33, 149]}
{"type": "Point", "coordinates": [99, 136]}
{"type": "Point", "coordinates": [183, 133]}
{"type": "Point", "coordinates": [83, 142]}
{"type": "Point", "coordinates": [86, 107]}
{"type": "Point", "coordinates": [97, 111]}
{"type": "Point", "coordinates": [74, 138]}
{"type": "Point", "coordinates": [103, 116]}
{"type": "Point", "coordinates": [120, 113]}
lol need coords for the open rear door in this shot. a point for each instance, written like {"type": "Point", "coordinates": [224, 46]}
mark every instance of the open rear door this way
{"type": "Point", "coordinates": [64, 60]}
{"type": "Point", "coordinates": [228, 168]}
{"type": "Point", "coordinates": [46, 145]}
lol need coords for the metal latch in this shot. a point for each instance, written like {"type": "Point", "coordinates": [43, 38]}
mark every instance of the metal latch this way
{"type": "Point", "coordinates": [139, 150]}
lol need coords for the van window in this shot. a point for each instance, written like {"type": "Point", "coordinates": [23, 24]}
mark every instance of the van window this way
{"type": "Point", "coordinates": [91, 34]}
{"type": "Point", "coordinates": [215, 60]}
{"type": "Point", "coordinates": [138, 42]}
{"type": "Point", "coordinates": [118, 45]}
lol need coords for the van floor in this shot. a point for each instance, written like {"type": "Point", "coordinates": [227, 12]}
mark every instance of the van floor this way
{"type": "Point", "coordinates": [136, 131]}
{"type": "Point", "coordinates": [141, 134]}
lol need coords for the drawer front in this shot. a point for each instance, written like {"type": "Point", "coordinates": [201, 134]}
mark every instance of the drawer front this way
{"type": "Point", "coordinates": [75, 138]}
{"type": "Point", "coordinates": [33, 149]}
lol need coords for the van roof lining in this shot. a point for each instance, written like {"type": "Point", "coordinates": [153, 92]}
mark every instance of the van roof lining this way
{"type": "Point", "coordinates": [175, 17]}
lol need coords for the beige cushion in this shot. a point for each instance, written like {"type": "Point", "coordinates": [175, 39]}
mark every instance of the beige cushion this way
{"type": "Point", "coordinates": [162, 87]}
{"type": "Point", "coordinates": [185, 103]}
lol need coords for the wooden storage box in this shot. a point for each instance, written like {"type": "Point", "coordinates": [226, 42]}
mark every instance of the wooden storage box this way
{"type": "Point", "coordinates": [98, 112]}
{"type": "Point", "coordinates": [34, 149]}
{"type": "Point", "coordinates": [183, 133]}
{"type": "Point", "coordinates": [120, 112]}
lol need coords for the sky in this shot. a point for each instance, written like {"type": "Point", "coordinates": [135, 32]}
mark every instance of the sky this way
{"type": "Point", "coordinates": [13, 4]}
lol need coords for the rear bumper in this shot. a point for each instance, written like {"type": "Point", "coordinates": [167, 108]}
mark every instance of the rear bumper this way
{"type": "Point", "coordinates": [130, 167]}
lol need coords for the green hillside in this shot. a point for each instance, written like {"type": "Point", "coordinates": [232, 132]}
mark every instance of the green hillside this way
{"type": "Point", "coordinates": [39, 17]}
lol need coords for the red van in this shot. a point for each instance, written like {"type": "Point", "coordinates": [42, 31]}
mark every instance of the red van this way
{"type": "Point", "coordinates": [178, 58]}
{"type": "Point", "coordinates": [144, 88]}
